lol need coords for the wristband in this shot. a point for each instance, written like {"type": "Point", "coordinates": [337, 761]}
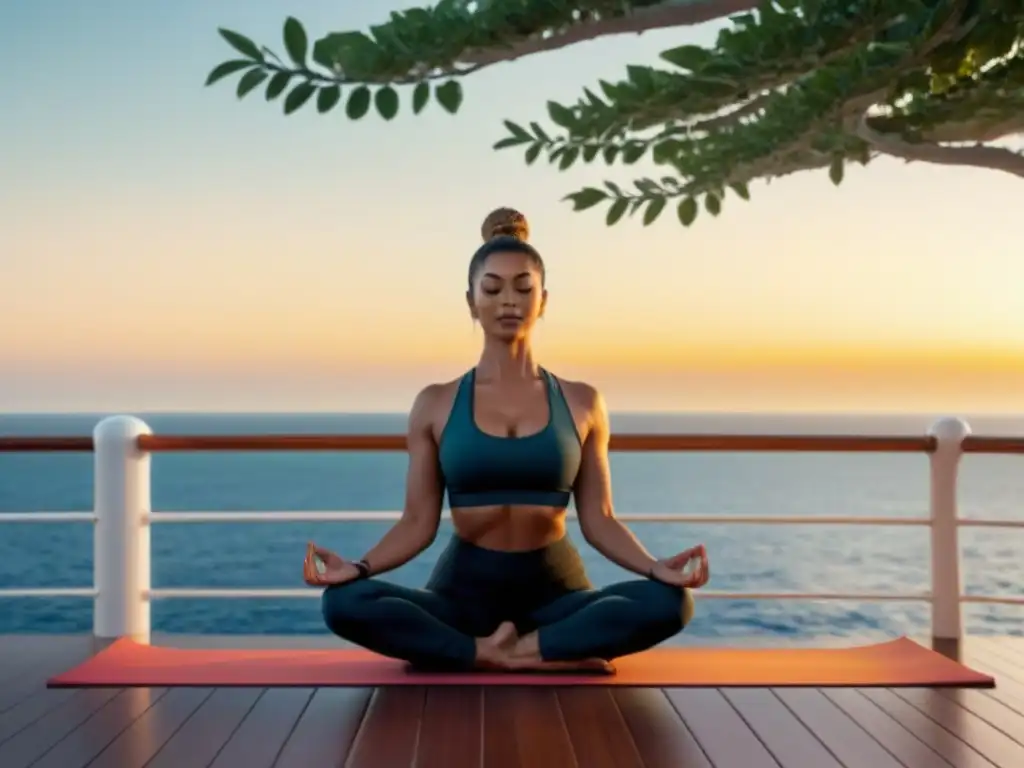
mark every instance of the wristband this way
{"type": "Point", "coordinates": [364, 569]}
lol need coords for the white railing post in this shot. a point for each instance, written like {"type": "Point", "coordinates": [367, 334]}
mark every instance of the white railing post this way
{"type": "Point", "coordinates": [947, 618]}
{"type": "Point", "coordinates": [121, 544]}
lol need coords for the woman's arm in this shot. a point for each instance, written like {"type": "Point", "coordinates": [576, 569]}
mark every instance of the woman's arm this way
{"type": "Point", "coordinates": [593, 491]}
{"type": "Point", "coordinates": [424, 488]}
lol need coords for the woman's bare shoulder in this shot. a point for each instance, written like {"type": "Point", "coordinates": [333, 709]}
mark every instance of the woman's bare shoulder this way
{"type": "Point", "coordinates": [587, 406]}
{"type": "Point", "coordinates": [432, 405]}
{"type": "Point", "coordinates": [583, 394]}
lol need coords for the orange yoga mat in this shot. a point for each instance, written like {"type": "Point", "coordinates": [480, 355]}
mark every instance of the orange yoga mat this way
{"type": "Point", "coordinates": [900, 662]}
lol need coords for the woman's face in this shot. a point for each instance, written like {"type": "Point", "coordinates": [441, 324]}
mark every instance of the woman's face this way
{"type": "Point", "coordinates": [507, 296]}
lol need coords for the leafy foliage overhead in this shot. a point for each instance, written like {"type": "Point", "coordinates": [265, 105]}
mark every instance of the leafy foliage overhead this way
{"type": "Point", "coordinates": [789, 86]}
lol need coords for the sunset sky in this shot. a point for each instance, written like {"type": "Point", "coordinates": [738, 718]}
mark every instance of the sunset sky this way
{"type": "Point", "coordinates": [165, 247]}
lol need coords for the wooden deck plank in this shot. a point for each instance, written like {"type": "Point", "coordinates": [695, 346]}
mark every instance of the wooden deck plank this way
{"type": "Point", "coordinates": [901, 743]}
{"type": "Point", "coordinates": [32, 742]}
{"type": "Point", "coordinates": [597, 730]}
{"type": "Point", "coordinates": [324, 734]}
{"type": "Point", "coordinates": [30, 710]}
{"type": "Point", "coordinates": [660, 735]}
{"type": "Point", "coordinates": [1007, 690]}
{"type": "Point", "coordinates": [500, 745]}
{"type": "Point", "coordinates": [390, 729]}
{"type": "Point", "coordinates": [24, 699]}
{"type": "Point", "coordinates": [782, 733]}
{"type": "Point", "coordinates": [1005, 653]}
{"type": "Point", "coordinates": [955, 750]}
{"type": "Point", "coordinates": [984, 738]}
{"type": "Point", "coordinates": [722, 733]}
{"type": "Point", "coordinates": [203, 735]}
{"type": "Point", "coordinates": [524, 727]}
{"type": "Point", "coordinates": [451, 735]}
{"type": "Point", "coordinates": [138, 743]}
{"type": "Point", "coordinates": [996, 714]}
{"type": "Point", "coordinates": [852, 745]}
{"type": "Point", "coordinates": [259, 739]}
{"type": "Point", "coordinates": [53, 657]}
{"type": "Point", "coordinates": [1010, 646]}
{"type": "Point", "coordinates": [24, 653]}
{"type": "Point", "coordinates": [92, 736]}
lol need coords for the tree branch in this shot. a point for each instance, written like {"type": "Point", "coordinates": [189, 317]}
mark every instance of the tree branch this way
{"type": "Point", "coordinates": [671, 13]}
{"type": "Point", "coordinates": [991, 158]}
{"type": "Point", "coordinates": [726, 119]}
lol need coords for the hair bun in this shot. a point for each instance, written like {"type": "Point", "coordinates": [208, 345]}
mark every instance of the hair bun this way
{"type": "Point", "coordinates": [505, 222]}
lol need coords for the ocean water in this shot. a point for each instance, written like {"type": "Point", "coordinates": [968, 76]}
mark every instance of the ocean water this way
{"type": "Point", "coordinates": [744, 557]}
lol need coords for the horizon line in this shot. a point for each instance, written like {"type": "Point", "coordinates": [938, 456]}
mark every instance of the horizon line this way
{"type": "Point", "coordinates": [1002, 413]}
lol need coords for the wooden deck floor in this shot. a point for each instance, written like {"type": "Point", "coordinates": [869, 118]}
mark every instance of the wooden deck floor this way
{"type": "Point", "coordinates": [500, 727]}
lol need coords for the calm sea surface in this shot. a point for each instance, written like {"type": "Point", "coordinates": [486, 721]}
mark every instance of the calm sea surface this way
{"type": "Point", "coordinates": [750, 558]}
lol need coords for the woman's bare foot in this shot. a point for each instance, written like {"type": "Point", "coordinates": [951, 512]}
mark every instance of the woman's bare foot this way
{"type": "Point", "coordinates": [525, 656]}
{"type": "Point", "coordinates": [494, 651]}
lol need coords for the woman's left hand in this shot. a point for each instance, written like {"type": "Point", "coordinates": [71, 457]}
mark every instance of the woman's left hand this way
{"type": "Point", "coordinates": [672, 570]}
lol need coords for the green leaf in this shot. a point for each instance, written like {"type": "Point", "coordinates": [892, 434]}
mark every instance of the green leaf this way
{"type": "Point", "coordinates": [836, 170]}
{"type": "Point", "coordinates": [358, 103]}
{"type": "Point", "coordinates": [713, 204]}
{"type": "Point", "coordinates": [561, 116]}
{"type": "Point", "coordinates": [586, 198]}
{"type": "Point", "coordinates": [449, 95]}
{"type": "Point", "coordinates": [740, 189]}
{"type": "Point", "coordinates": [532, 153]}
{"type": "Point", "coordinates": [633, 152]}
{"type": "Point", "coordinates": [295, 41]}
{"type": "Point", "coordinates": [568, 158]}
{"type": "Point", "coordinates": [687, 211]}
{"type": "Point", "coordinates": [242, 44]}
{"type": "Point", "coordinates": [420, 96]}
{"type": "Point", "coordinates": [227, 68]}
{"type": "Point", "coordinates": [386, 101]}
{"type": "Point", "coordinates": [298, 96]}
{"type": "Point", "coordinates": [616, 211]}
{"type": "Point", "coordinates": [654, 209]}
{"type": "Point", "coordinates": [511, 141]}
{"type": "Point", "coordinates": [689, 57]}
{"type": "Point", "coordinates": [327, 98]}
{"type": "Point", "coordinates": [609, 153]}
{"type": "Point", "coordinates": [518, 131]}
{"type": "Point", "coordinates": [250, 80]}
{"type": "Point", "coordinates": [277, 84]}
{"type": "Point", "coordinates": [647, 186]}
{"type": "Point", "coordinates": [642, 77]}
{"type": "Point", "coordinates": [590, 151]}
{"type": "Point", "coordinates": [518, 136]}
{"type": "Point", "coordinates": [348, 49]}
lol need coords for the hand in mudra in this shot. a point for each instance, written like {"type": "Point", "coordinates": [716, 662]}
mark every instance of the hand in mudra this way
{"type": "Point", "coordinates": [674, 570]}
{"type": "Point", "coordinates": [322, 567]}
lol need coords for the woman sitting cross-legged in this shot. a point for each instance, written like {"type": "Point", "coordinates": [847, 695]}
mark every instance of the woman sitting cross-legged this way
{"type": "Point", "coordinates": [510, 442]}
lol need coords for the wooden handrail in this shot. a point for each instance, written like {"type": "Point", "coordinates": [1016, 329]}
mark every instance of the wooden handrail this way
{"type": "Point", "coordinates": [990, 444]}
{"type": "Point", "coordinates": [624, 442]}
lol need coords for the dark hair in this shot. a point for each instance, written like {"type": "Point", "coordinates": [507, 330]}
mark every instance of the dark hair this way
{"type": "Point", "coordinates": [504, 229]}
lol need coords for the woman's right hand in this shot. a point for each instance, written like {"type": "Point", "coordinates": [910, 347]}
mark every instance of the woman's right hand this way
{"type": "Point", "coordinates": [336, 570]}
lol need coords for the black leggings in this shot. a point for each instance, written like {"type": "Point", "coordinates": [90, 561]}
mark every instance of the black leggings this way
{"type": "Point", "coordinates": [472, 590]}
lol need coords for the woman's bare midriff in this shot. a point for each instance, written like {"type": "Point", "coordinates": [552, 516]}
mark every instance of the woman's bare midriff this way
{"type": "Point", "coordinates": [509, 528]}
